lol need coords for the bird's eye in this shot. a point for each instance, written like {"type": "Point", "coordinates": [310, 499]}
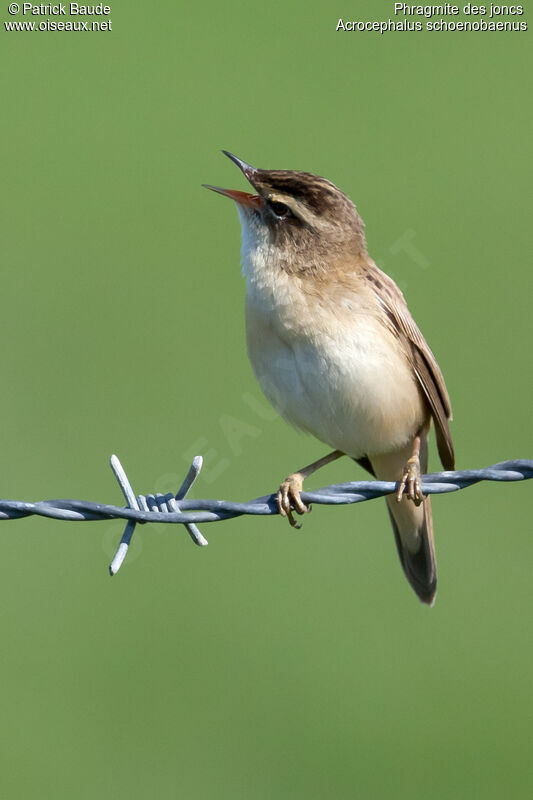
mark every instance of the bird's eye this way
{"type": "Point", "coordinates": [279, 209]}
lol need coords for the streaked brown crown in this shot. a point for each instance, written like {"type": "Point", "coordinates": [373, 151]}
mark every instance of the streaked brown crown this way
{"type": "Point", "coordinates": [319, 194]}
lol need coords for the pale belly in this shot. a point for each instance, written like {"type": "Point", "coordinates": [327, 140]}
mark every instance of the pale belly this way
{"type": "Point", "coordinates": [351, 387]}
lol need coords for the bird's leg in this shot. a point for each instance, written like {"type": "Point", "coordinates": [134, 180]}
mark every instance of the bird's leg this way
{"type": "Point", "coordinates": [410, 482]}
{"type": "Point", "coordinates": [288, 496]}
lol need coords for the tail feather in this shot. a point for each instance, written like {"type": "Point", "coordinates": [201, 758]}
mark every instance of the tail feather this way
{"type": "Point", "coordinates": [412, 525]}
{"type": "Point", "coordinates": [420, 567]}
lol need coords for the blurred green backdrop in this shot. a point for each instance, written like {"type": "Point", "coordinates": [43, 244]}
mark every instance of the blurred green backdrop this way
{"type": "Point", "coordinates": [271, 664]}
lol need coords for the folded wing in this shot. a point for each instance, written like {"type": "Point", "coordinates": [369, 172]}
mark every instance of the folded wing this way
{"type": "Point", "coordinates": [399, 320]}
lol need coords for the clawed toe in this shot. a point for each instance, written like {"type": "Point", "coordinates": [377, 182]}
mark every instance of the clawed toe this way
{"type": "Point", "coordinates": [289, 500]}
{"type": "Point", "coordinates": [410, 483]}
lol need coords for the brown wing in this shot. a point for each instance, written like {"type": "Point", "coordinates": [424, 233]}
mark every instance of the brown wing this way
{"type": "Point", "coordinates": [424, 363]}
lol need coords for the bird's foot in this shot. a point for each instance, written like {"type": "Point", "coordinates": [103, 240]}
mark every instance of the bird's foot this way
{"type": "Point", "coordinates": [410, 484]}
{"type": "Point", "coordinates": [289, 500]}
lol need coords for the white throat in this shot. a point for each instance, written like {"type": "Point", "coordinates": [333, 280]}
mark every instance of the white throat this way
{"type": "Point", "coordinates": [256, 250]}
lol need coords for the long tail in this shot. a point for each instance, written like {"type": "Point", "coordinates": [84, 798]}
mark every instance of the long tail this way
{"type": "Point", "coordinates": [412, 525]}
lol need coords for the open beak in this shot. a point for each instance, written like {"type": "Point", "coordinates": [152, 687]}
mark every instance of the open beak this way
{"type": "Point", "coordinates": [243, 198]}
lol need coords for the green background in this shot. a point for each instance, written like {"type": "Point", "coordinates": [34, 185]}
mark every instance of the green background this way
{"type": "Point", "coordinates": [272, 664]}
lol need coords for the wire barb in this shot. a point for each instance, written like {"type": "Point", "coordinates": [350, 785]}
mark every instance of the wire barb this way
{"type": "Point", "coordinates": [163, 504]}
{"type": "Point", "coordinates": [177, 509]}
{"type": "Point", "coordinates": [131, 500]}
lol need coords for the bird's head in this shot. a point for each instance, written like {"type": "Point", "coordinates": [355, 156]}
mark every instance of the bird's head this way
{"type": "Point", "coordinates": [295, 220]}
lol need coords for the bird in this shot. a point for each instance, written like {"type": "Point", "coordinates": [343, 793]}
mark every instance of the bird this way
{"type": "Point", "coordinates": [336, 351]}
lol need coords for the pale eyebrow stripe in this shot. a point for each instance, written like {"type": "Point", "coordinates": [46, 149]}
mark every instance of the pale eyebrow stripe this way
{"type": "Point", "coordinates": [295, 206]}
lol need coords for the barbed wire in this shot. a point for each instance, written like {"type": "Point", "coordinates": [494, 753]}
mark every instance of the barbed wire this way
{"type": "Point", "coordinates": [165, 508]}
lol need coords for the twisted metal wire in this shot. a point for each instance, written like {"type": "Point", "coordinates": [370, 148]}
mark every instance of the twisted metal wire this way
{"type": "Point", "coordinates": [176, 509]}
